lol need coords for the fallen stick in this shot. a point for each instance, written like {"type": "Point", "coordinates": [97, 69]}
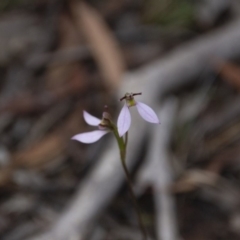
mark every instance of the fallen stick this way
{"type": "Point", "coordinates": [157, 172]}
{"type": "Point", "coordinates": [180, 67]}
{"type": "Point", "coordinates": [186, 63]}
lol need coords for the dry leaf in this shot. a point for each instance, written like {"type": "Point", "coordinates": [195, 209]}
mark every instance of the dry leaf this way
{"type": "Point", "coordinates": [194, 179]}
{"type": "Point", "coordinates": [229, 72]}
{"type": "Point", "coordinates": [49, 148]}
{"type": "Point", "coordinates": [101, 41]}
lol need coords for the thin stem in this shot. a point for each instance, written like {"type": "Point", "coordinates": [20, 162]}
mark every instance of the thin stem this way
{"type": "Point", "coordinates": [126, 142]}
{"type": "Point", "coordinates": [134, 200]}
{"type": "Point", "coordinates": [122, 148]}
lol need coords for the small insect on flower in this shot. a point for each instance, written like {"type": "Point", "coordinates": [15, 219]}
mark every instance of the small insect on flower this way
{"type": "Point", "coordinates": [104, 127]}
{"type": "Point", "coordinates": [124, 119]}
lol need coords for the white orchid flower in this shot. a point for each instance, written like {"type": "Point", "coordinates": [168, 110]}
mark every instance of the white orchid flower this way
{"type": "Point", "coordinates": [124, 119]}
{"type": "Point", "coordinates": [93, 136]}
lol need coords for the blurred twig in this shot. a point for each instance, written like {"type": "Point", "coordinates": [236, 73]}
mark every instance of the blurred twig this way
{"type": "Point", "coordinates": [157, 172]}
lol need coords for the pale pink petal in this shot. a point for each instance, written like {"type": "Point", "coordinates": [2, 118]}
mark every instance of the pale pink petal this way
{"type": "Point", "coordinates": [147, 113]}
{"type": "Point", "coordinates": [89, 137]}
{"type": "Point", "coordinates": [124, 120]}
{"type": "Point", "coordinates": [91, 120]}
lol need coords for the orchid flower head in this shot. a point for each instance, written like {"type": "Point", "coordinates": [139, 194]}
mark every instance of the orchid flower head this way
{"type": "Point", "coordinates": [104, 126]}
{"type": "Point", "coordinates": [124, 119]}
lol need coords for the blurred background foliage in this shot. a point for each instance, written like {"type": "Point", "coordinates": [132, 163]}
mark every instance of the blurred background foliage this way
{"type": "Point", "coordinates": [169, 13]}
{"type": "Point", "coordinates": [58, 58]}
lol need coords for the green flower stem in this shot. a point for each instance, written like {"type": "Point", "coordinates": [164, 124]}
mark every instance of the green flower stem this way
{"type": "Point", "coordinates": [122, 149]}
{"type": "Point", "coordinates": [126, 141]}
